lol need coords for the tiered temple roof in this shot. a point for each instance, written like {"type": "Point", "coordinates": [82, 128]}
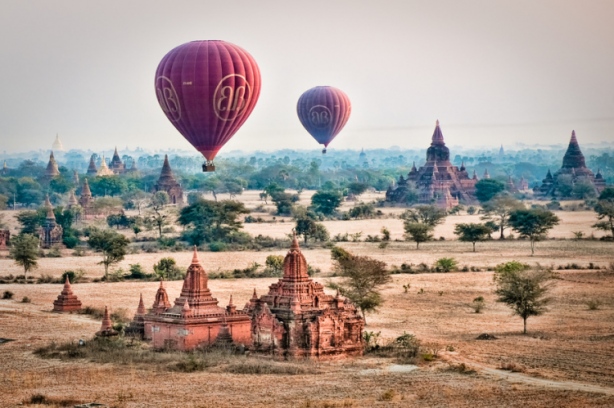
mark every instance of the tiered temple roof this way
{"type": "Point", "coordinates": [91, 169]}
{"type": "Point", "coordinates": [117, 167]}
{"type": "Point", "coordinates": [167, 183]}
{"type": "Point", "coordinates": [50, 232]}
{"type": "Point", "coordinates": [52, 169]}
{"type": "Point", "coordinates": [66, 301]}
{"type": "Point", "coordinates": [438, 181]}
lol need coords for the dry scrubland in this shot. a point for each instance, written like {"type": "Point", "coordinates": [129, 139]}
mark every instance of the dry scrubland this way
{"type": "Point", "coordinates": [566, 360]}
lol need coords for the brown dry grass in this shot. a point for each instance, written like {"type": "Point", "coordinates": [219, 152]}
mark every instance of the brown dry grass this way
{"type": "Point", "coordinates": [568, 347]}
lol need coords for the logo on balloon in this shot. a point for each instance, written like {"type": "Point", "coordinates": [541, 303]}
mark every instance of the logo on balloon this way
{"type": "Point", "coordinates": [320, 116]}
{"type": "Point", "coordinates": [168, 99]}
{"type": "Point", "coordinates": [231, 97]}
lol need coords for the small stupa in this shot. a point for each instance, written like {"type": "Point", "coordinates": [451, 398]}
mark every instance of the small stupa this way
{"type": "Point", "coordinates": [66, 301]}
{"type": "Point", "coordinates": [57, 144]}
{"type": "Point", "coordinates": [117, 167]}
{"type": "Point", "coordinates": [50, 232]}
{"type": "Point", "coordinates": [167, 183]}
{"type": "Point", "coordinates": [91, 169]}
{"type": "Point", "coordinates": [137, 325]}
{"type": "Point", "coordinates": [104, 170]}
{"type": "Point", "coordinates": [52, 169]}
{"type": "Point", "coordinates": [106, 328]}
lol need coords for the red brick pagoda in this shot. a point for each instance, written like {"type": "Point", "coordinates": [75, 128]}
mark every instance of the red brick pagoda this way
{"type": "Point", "coordinates": [106, 328]}
{"type": "Point", "coordinates": [167, 183]}
{"type": "Point", "coordinates": [66, 301]}
{"type": "Point", "coordinates": [297, 319]}
{"type": "Point", "coordinates": [195, 319]}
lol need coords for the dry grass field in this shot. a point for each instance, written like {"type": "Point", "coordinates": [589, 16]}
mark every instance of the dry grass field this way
{"type": "Point", "coordinates": [565, 360]}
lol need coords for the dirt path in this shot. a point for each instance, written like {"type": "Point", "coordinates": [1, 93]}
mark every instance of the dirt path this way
{"type": "Point", "coordinates": [519, 378]}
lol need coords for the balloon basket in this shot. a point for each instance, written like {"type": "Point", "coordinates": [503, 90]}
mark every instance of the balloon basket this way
{"type": "Point", "coordinates": [208, 168]}
{"type": "Point", "coordinates": [324, 151]}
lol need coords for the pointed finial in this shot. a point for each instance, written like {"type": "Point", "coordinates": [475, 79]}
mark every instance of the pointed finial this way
{"type": "Point", "coordinates": [141, 308]}
{"type": "Point", "coordinates": [230, 301]}
{"type": "Point", "coordinates": [294, 244]}
{"type": "Point", "coordinates": [437, 122]}
{"type": "Point", "coordinates": [195, 256]}
{"type": "Point", "coordinates": [254, 296]}
{"type": "Point", "coordinates": [67, 282]}
{"type": "Point", "coordinates": [161, 283]}
{"type": "Point", "coordinates": [186, 306]}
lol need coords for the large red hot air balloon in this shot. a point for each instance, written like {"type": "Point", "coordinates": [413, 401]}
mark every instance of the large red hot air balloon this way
{"type": "Point", "coordinates": [207, 89]}
{"type": "Point", "coordinates": [324, 111]}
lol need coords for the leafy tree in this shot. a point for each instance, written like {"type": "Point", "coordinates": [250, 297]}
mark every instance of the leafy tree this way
{"type": "Point", "coordinates": [605, 210]}
{"type": "Point", "coordinates": [357, 188]}
{"type": "Point", "coordinates": [108, 186]}
{"type": "Point", "coordinates": [472, 232]}
{"type": "Point", "coordinates": [498, 210]}
{"type": "Point", "coordinates": [564, 185]}
{"type": "Point", "coordinates": [3, 200]}
{"type": "Point", "coordinates": [167, 269]}
{"type": "Point", "coordinates": [429, 215]}
{"type": "Point", "coordinates": [275, 264]}
{"type": "Point", "coordinates": [158, 200]}
{"type": "Point", "coordinates": [533, 223]}
{"type": "Point", "coordinates": [523, 289]}
{"type": "Point", "coordinates": [326, 202]}
{"type": "Point", "coordinates": [284, 202]}
{"type": "Point", "coordinates": [136, 199]}
{"type": "Point", "coordinates": [118, 220]}
{"type": "Point", "coordinates": [106, 205]}
{"type": "Point", "coordinates": [112, 245]}
{"type": "Point", "coordinates": [417, 232]}
{"type": "Point", "coordinates": [362, 210]}
{"type": "Point", "coordinates": [583, 190]}
{"type": "Point", "coordinates": [305, 227]}
{"type": "Point", "coordinates": [210, 221]}
{"type": "Point", "coordinates": [24, 250]}
{"type": "Point", "coordinates": [213, 185]}
{"type": "Point", "coordinates": [30, 221]}
{"type": "Point", "coordinates": [362, 278]}
{"type": "Point", "coordinates": [486, 189]}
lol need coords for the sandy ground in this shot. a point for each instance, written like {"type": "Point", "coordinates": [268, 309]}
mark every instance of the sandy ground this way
{"type": "Point", "coordinates": [565, 360]}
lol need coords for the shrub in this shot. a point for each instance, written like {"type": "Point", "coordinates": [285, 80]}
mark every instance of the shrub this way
{"type": "Point", "coordinates": [593, 304]}
{"type": "Point", "coordinates": [445, 264]}
{"type": "Point", "coordinates": [388, 395]}
{"type": "Point", "coordinates": [7, 294]}
{"type": "Point", "coordinates": [73, 276]}
{"type": "Point", "coordinates": [217, 246]}
{"type": "Point", "coordinates": [478, 304]}
{"type": "Point", "coordinates": [26, 299]}
{"type": "Point", "coordinates": [54, 252]}
{"type": "Point", "coordinates": [79, 251]}
{"type": "Point", "coordinates": [137, 272]}
{"type": "Point", "coordinates": [274, 265]}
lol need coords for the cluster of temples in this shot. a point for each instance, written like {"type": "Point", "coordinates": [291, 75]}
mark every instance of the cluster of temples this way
{"type": "Point", "coordinates": [296, 318]}
{"type": "Point", "coordinates": [438, 181]}
{"type": "Point", "coordinates": [573, 169]}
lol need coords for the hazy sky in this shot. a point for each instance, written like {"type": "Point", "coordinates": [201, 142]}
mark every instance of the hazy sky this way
{"type": "Point", "coordinates": [491, 71]}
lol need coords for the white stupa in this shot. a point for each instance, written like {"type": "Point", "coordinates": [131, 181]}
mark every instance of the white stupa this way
{"type": "Point", "coordinates": [57, 144]}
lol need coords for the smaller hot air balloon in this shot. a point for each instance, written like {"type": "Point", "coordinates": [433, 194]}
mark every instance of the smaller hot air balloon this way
{"type": "Point", "coordinates": [323, 111]}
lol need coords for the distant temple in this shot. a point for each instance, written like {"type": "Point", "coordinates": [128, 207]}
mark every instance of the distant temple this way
{"type": "Point", "coordinates": [5, 238]}
{"type": "Point", "coordinates": [297, 319]}
{"type": "Point", "coordinates": [574, 167]}
{"type": "Point", "coordinates": [75, 177]}
{"type": "Point", "coordinates": [85, 199]}
{"type": "Point", "coordinates": [438, 181]}
{"type": "Point", "coordinates": [91, 169]}
{"type": "Point", "coordinates": [167, 183]}
{"type": "Point", "coordinates": [52, 169]}
{"type": "Point", "coordinates": [50, 232]}
{"type": "Point", "coordinates": [57, 144]}
{"type": "Point", "coordinates": [5, 169]}
{"type": "Point", "coordinates": [117, 167]}
{"type": "Point", "coordinates": [106, 328]}
{"type": "Point", "coordinates": [195, 319]}
{"type": "Point", "coordinates": [104, 170]}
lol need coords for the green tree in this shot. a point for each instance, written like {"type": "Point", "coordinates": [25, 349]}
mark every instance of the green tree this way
{"type": "Point", "coordinates": [305, 227]}
{"type": "Point", "coordinates": [523, 289]}
{"type": "Point", "coordinates": [167, 269]}
{"type": "Point", "coordinates": [362, 278]}
{"type": "Point", "coordinates": [275, 264]}
{"type": "Point", "coordinates": [498, 210]}
{"type": "Point", "coordinates": [24, 251]}
{"type": "Point", "coordinates": [30, 221]}
{"type": "Point", "coordinates": [326, 202]}
{"type": "Point", "coordinates": [471, 232]}
{"type": "Point", "coordinates": [533, 223]}
{"type": "Point", "coordinates": [209, 221]}
{"type": "Point", "coordinates": [417, 232]}
{"type": "Point", "coordinates": [605, 211]}
{"type": "Point", "coordinates": [357, 188]}
{"type": "Point", "coordinates": [429, 215]}
{"type": "Point", "coordinates": [112, 245]}
{"type": "Point", "coordinates": [284, 202]}
{"type": "Point", "coordinates": [486, 189]}
{"type": "Point", "coordinates": [158, 200]}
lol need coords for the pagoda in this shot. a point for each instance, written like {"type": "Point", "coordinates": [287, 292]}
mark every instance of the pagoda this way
{"type": "Point", "coordinates": [167, 183]}
{"type": "Point", "coordinates": [52, 169]}
{"type": "Point", "coordinates": [104, 170]}
{"type": "Point", "coordinates": [57, 144]}
{"type": "Point", "coordinates": [117, 167]}
{"type": "Point", "coordinates": [195, 319]}
{"type": "Point", "coordinates": [5, 169]}
{"type": "Point", "coordinates": [50, 232]}
{"type": "Point", "coordinates": [438, 181]}
{"type": "Point", "coordinates": [106, 328]}
{"type": "Point", "coordinates": [75, 177]}
{"type": "Point", "coordinates": [5, 238]}
{"type": "Point", "coordinates": [298, 319]}
{"type": "Point", "coordinates": [91, 169]}
{"type": "Point", "coordinates": [574, 168]}
{"type": "Point", "coordinates": [66, 301]}
{"type": "Point", "coordinates": [86, 199]}
{"type": "Point", "coordinates": [137, 325]}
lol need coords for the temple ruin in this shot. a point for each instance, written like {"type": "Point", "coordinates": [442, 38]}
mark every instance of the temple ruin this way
{"type": "Point", "coordinates": [52, 169]}
{"type": "Point", "coordinates": [66, 301]}
{"type": "Point", "coordinates": [117, 167]}
{"type": "Point", "coordinates": [297, 319]}
{"type": "Point", "coordinates": [437, 182]}
{"type": "Point", "coordinates": [91, 169]}
{"type": "Point", "coordinates": [50, 232]}
{"type": "Point", "coordinates": [167, 183]}
{"type": "Point", "coordinates": [195, 319]}
{"type": "Point", "coordinates": [573, 169]}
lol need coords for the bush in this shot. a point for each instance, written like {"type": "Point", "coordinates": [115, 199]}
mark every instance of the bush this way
{"type": "Point", "coordinates": [137, 272]}
{"type": "Point", "coordinates": [593, 304]}
{"type": "Point", "coordinates": [26, 299]}
{"type": "Point", "coordinates": [217, 246]}
{"type": "Point", "coordinates": [478, 304]}
{"type": "Point", "coordinates": [7, 294]}
{"type": "Point", "coordinates": [54, 252]}
{"type": "Point", "coordinates": [445, 265]}
{"type": "Point", "coordinates": [73, 276]}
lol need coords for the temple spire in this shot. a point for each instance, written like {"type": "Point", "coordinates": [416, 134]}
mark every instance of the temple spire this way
{"type": "Point", "coordinates": [437, 135]}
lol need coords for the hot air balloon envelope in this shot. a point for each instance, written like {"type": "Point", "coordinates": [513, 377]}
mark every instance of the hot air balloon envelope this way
{"type": "Point", "coordinates": [324, 111]}
{"type": "Point", "coordinates": [207, 89]}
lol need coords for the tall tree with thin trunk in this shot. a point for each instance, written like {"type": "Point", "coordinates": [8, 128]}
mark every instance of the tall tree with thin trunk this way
{"type": "Point", "coordinates": [498, 210]}
{"type": "Point", "coordinates": [471, 232]}
{"type": "Point", "coordinates": [24, 251]}
{"type": "Point", "coordinates": [533, 224]}
{"type": "Point", "coordinates": [112, 245]}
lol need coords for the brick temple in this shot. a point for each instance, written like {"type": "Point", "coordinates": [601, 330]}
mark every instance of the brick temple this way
{"type": "Point", "coordinates": [438, 181]}
{"type": "Point", "coordinates": [574, 168]}
{"type": "Point", "coordinates": [168, 183]}
{"type": "Point", "coordinates": [297, 319]}
{"type": "Point", "coordinates": [50, 232]}
{"type": "Point", "coordinates": [195, 319]}
{"type": "Point", "coordinates": [66, 301]}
